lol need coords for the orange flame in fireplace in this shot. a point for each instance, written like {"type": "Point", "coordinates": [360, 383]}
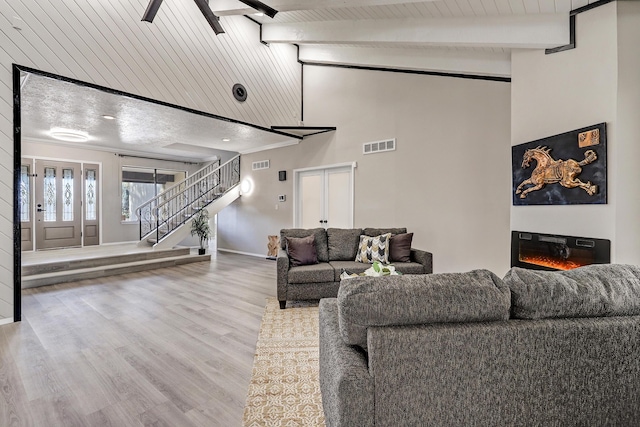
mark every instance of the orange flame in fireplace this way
{"type": "Point", "coordinates": [552, 262]}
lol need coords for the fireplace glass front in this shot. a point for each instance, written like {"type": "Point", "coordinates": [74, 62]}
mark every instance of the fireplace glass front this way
{"type": "Point", "coordinates": [555, 252]}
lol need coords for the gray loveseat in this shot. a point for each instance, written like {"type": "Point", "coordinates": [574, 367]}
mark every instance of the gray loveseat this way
{"type": "Point", "coordinates": [336, 251]}
{"type": "Point", "coordinates": [469, 349]}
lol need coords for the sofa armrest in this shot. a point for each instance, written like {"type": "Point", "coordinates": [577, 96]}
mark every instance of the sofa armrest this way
{"type": "Point", "coordinates": [282, 274]}
{"type": "Point", "coordinates": [423, 257]}
{"type": "Point", "coordinates": [345, 383]}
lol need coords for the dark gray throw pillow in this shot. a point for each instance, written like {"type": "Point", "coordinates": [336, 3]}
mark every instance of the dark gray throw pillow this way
{"type": "Point", "coordinates": [302, 250]}
{"type": "Point", "coordinates": [320, 235]}
{"type": "Point", "coordinates": [400, 247]}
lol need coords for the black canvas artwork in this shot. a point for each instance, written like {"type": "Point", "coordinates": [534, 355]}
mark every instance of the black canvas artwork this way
{"type": "Point", "coordinates": [565, 169]}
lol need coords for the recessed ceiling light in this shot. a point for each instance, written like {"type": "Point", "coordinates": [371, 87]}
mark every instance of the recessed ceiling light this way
{"type": "Point", "coordinates": [259, 14]}
{"type": "Point", "coordinates": [69, 135]}
{"type": "Point", "coordinates": [108, 117]}
{"type": "Point", "coordinates": [225, 140]}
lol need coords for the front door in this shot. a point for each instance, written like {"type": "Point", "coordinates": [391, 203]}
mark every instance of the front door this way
{"type": "Point", "coordinates": [58, 204]}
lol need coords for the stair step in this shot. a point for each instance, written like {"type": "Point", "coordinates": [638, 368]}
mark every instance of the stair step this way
{"type": "Point", "coordinates": [98, 261]}
{"type": "Point", "coordinates": [52, 278]}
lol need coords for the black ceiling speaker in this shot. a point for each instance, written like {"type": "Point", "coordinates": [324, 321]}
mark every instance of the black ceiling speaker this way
{"type": "Point", "coordinates": [260, 7]}
{"type": "Point", "coordinates": [151, 11]}
{"type": "Point", "coordinates": [239, 92]}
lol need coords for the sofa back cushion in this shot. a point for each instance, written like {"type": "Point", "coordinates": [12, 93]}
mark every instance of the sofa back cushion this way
{"type": "Point", "coordinates": [591, 291]}
{"type": "Point", "coordinates": [378, 231]}
{"type": "Point", "coordinates": [475, 296]}
{"type": "Point", "coordinates": [343, 243]}
{"type": "Point", "coordinates": [319, 234]}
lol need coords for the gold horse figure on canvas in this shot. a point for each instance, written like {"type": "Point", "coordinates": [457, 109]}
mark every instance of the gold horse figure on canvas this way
{"type": "Point", "coordinates": [550, 171]}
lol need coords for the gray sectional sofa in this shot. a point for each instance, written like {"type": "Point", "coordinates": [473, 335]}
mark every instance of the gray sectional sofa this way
{"type": "Point", "coordinates": [336, 251]}
{"type": "Point", "coordinates": [471, 349]}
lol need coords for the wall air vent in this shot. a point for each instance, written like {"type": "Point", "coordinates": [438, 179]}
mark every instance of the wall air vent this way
{"type": "Point", "coordinates": [263, 164]}
{"type": "Point", "coordinates": [379, 146]}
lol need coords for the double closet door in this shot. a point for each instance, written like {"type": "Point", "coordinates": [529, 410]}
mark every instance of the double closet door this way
{"type": "Point", "coordinates": [324, 197]}
{"type": "Point", "coordinates": [58, 204]}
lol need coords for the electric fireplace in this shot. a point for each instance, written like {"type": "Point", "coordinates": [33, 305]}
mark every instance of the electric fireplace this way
{"type": "Point", "coordinates": [555, 252]}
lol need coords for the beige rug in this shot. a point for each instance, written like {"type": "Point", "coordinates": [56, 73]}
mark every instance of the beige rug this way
{"type": "Point", "coordinates": [284, 388]}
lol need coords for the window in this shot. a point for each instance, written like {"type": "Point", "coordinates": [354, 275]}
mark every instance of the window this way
{"type": "Point", "coordinates": [139, 185]}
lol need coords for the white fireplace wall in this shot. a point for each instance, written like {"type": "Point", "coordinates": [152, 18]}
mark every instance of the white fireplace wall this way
{"type": "Point", "coordinates": [552, 94]}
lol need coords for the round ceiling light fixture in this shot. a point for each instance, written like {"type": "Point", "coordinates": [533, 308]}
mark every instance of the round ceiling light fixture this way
{"type": "Point", "coordinates": [239, 92]}
{"type": "Point", "coordinates": [225, 140]}
{"type": "Point", "coordinates": [70, 135]}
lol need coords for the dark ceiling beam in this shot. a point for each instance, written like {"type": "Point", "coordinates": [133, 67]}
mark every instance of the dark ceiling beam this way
{"type": "Point", "coordinates": [260, 7]}
{"type": "Point", "coordinates": [211, 18]}
{"type": "Point", "coordinates": [151, 11]}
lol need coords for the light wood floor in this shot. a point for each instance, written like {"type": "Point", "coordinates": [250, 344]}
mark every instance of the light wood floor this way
{"type": "Point", "coordinates": [173, 347]}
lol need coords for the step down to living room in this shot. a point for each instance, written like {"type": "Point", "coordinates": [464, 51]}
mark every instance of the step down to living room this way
{"type": "Point", "coordinates": [67, 265]}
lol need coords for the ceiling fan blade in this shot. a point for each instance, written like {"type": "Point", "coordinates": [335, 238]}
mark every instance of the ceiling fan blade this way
{"type": "Point", "coordinates": [260, 7]}
{"type": "Point", "coordinates": [211, 18]}
{"type": "Point", "coordinates": [151, 11]}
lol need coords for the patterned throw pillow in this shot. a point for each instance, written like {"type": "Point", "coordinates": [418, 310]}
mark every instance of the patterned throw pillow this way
{"type": "Point", "coordinates": [373, 249]}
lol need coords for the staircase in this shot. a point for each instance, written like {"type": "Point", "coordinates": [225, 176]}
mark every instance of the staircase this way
{"type": "Point", "coordinates": [165, 220]}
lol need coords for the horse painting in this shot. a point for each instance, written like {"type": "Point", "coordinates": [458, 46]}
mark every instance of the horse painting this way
{"type": "Point", "coordinates": [550, 171]}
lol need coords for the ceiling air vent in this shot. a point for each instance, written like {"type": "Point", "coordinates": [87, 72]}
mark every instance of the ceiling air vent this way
{"type": "Point", "coordinates": [379, 146]}
{"type": "Point", "coordinates": [262, 164]}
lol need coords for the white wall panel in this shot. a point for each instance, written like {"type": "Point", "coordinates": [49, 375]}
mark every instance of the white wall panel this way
{"type": "Point", "coordinates": [177, 59]}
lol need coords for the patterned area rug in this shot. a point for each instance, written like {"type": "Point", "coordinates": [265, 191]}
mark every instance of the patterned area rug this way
{"type": "Point", "coordinates": [284, 388]}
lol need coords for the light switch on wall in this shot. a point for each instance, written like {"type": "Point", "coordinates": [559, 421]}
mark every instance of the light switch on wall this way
{"type": "Point", "coordinates": [282, 198]}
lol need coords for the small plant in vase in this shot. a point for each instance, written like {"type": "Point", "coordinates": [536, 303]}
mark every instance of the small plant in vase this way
{"type": "Point", "coordinates": [200, 228]}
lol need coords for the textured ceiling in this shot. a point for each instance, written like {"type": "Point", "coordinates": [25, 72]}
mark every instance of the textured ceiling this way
{"type": "Point", "coordinates": [140, 127]}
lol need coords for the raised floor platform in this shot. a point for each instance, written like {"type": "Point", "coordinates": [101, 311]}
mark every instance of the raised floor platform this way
{"type": "Point", "coordinates": [66, 265]}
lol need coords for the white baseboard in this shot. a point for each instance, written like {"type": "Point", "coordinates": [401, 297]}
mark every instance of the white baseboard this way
{"type": "Point", "coordinates": [243, 253]}
{"type": "Point", "coordinates": [6, 321]}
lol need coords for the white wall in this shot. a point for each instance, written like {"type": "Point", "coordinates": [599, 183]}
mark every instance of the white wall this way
{"type": "Point", "coordinates": [448, 181]}
{"type": "Point", "coordinates": [627, 166]}
{"type": "Point", "coordinates": [177, 59]}
{"type": "Point", "coordinates": [596, 82]}
{"type": "Point", "coordinates": [553, 94]}
{"type": "Point", "coordinates": [113, 230]}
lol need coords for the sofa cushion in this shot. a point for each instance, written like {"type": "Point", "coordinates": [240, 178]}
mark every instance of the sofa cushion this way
{"type": "Point", "coordinates": [350, 266]}
{"type": "Point", "coordinates": [475, 296]}
{"type": "Point", "coordinates": [319, 234]}
{"type": "Point", "coordinates": [409, 267]}
{"type": "Point", "coordinates": [400, 247]}
{"type": "Point", "coordinates": [316, 273]}
{"type": "Point", "coordinates": [302, 250]}
{"type": "Point", "coordinates": [372, 249]}
{"type": "Point", "coordinates": [359, 267]}
{"type": "Point", "coordinates": [379, 231]}
{"type": "Point", "coordinates": [591, 291]}
{"type": "Point", "coordinates": [343, 243]}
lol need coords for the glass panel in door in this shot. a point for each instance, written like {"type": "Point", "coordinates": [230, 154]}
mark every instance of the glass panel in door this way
{"type": "Point", "coordinates": [26, 194]}
{"type": "Point", "coordinates": [58, 205]}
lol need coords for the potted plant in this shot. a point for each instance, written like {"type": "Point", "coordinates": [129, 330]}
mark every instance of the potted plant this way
{"type": "Point", "coordinates": [200, 228]}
